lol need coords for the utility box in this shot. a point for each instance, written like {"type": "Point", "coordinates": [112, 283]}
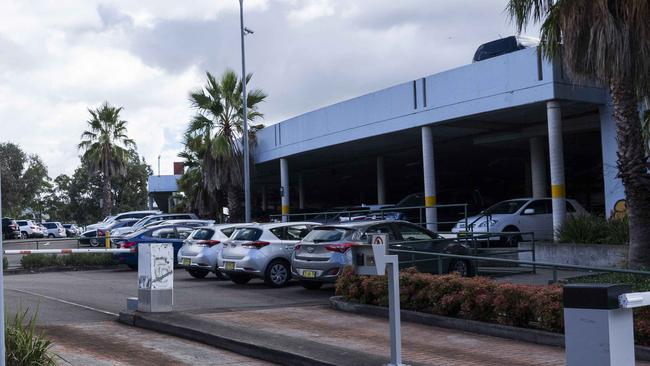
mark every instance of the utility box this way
{"type": "Point", "coordinates": [155, 277]}
{"type": "Point", "coordinates": [369, 259]}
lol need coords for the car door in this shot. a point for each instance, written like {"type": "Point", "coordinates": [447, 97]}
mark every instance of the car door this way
{"type": "Point", "coordinates": [415, 238]}
{"type": "Point", "coordinates": [540, 221]}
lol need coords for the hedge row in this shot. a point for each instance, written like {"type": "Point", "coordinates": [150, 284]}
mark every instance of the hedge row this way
{"type": "Point", "coordinates": [476, 298]}
{"type": "Point", "coordinates": [73, 260]}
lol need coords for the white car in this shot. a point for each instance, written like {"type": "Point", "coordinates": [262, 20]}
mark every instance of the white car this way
{"type": "Point", "coordinates": [55, 230]}
{"type": "Point", "coordinates": [517, 215]}
{"type": "Point", "coordinates": [199, 252]}
{"type": "Point", "coordinates": [29, 229]}
{"type": "Point", "coordinates": [262, 251]}
{"type": "Point", "coordinates": [123, 216]}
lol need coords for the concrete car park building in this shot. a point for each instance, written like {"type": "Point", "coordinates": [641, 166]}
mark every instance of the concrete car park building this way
{"type": "Point", "coordinates": [510, 126]}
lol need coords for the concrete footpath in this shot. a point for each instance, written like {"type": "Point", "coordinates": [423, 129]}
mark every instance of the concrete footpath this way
{"type": "Point", "coordinates": [319, 335]}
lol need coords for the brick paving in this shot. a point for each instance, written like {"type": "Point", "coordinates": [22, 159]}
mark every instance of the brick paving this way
{"type": "Point", "coordinates": [421, 343]}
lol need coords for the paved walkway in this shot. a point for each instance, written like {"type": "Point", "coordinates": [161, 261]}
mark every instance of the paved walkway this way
{"type": "Point", "coordinates": [421, 344]}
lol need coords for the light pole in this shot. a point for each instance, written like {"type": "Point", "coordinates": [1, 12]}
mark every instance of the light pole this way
{"type": "Point", "coordinates": [247, 178]}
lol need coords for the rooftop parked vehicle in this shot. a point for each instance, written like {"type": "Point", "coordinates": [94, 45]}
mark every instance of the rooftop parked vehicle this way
{"type": "Point", "coordinates": [199, 252]}
{"type": "Point", "coordinates": [262, 251]}
{"type": "Point", "coordinates": [321, 256]}
{"type": "Point", "coordinates": [174, 234]}
{"type": "Point", "coordinates": [30, 229]}
{"type": "Point", "coordinates": [123, 216]}
{"type": "Point", "coordinates": [10, 229]}
{"type": "Point", "coordinates": [55, 229]}
{"type": "Point", "coordinates": [503, 46]}
{"type": "Point", "coordinates": [517, 215]}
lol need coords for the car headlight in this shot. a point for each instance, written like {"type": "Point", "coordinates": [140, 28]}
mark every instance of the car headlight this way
{"type": "Point", "coordinates": [488, 222]}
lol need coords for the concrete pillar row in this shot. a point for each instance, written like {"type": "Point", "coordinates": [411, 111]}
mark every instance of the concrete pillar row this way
{"type": "Point", "coordinates": [284, 188]}
{"type": "Point", "coordinates": [301, 193]}
{"type": "Point", "coordinates": [381, 181]}
{"type": "Point", "coordinates": [429, 171]}
{"type": "Point", "coordinates": [539, 176]}
{"type": "Point", "coordinates": [556, 158]}
{"type": "Point", "coordinates": [263, 197]}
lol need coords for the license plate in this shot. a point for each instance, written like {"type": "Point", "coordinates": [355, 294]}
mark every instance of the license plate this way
{"type": "Point", "coordinates": [309, 274]}
{"type": "Point", "coordinates": [230, 266]}
{"type": "Point", "coordinates": [187, 261]}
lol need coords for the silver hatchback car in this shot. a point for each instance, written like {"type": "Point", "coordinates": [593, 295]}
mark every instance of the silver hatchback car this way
{"type": "Point", "coordinates": [262, 251]}
{"type": "Point", "coordinates": [199, 252]}
{"type": "Point", "coordinates": [321, 256]}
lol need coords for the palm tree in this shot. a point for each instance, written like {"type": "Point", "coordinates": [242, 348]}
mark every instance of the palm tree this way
{"type": "Point", "coordinates": [607, 41]}
{"type": "Point", "coordinates": [106, 147]}
{"type": "Point", "coordinates": [218, 125]}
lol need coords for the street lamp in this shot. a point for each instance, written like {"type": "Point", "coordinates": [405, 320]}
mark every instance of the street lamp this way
{"type": "Point", "coordinates": [159, 165]}
{"type": "Point", "coordinates": [247, 178]}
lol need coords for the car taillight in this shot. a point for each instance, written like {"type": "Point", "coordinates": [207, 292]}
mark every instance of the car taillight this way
{"type": "Point", "coordinates": [297, 247]}
{"type": "Point", "coordinates": [340, 248]}
{"type": "Point", "coordinates": [129, 244]}
{"type": "Point", "coordinates": [100, 232]}
{"type": "Point", "coordinates": [255, 244]}
{"type": "Point", "coordinates": [208, 243]}
{"type": "Point", "coordinates": [33, 227]}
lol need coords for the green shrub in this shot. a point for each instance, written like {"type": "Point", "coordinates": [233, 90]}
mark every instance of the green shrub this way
{"type": "Point", "coordinates": [638, 283]}
{"type": "Point", "coordinates": [31, 261]}
{"type": "Point", "coordinates": [591, 229]}
{"type": "Point", "coordinates": [475, 298]}
{"type": "Point", "coordinates": [25, 346]}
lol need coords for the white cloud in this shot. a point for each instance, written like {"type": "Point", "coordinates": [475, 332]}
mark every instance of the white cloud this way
{"type": "Point", "coordinates": [310, 10]}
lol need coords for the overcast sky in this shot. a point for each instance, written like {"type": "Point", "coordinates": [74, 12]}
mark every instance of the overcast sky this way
{"type": "Point", "coordinates": [58, 58]}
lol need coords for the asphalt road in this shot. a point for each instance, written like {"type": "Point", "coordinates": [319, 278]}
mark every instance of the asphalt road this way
{"type": "Point", "coordinates": [72, 306]}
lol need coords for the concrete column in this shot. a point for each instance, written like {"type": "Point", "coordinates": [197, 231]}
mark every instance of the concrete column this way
{"type": "Point", "coordinates": [301, 193]}
{"type": "Point", "coordinates": [150, 202]}
{"type": "Point", "coordinates": [381, 181]}
{"type": "Point", "coordinates": [263, 197]}
{"type": "Point", "coordinates": [556, 157]}
{"type": "Point", "coordinates": [539, 177]}
{"type": "Point", "coordinates": [614, 190]}
{"type": "Point", "coordinates": [284, 188]}
{"type": "Point", "coordinates": [429, 178]}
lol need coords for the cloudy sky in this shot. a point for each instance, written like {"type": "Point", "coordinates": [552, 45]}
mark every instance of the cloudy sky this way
{"type": "Point", "coordinates": [58, 58]}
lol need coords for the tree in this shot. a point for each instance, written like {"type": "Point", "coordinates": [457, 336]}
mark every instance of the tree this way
{"type": "Point", "coordinates": [24, 180]}
{"type": "Point", "coordinates": [607, 41]}
{"type": "Point", "coordinates": [218, 125]}
{"type": "Point", "coordinates": [106, 148]}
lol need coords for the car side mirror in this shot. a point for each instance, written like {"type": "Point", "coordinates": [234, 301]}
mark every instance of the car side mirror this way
{"type": "Point", "coordinates": [529, 211]}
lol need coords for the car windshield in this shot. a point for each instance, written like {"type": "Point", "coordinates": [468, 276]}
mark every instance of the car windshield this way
{"type": "Point", "coordinates": [505, 207]}
{"type": "Point", "coordinates": [326, 234]}
{"type": "Point", "coordinates": [202, 234]}
{"type": "Point", "coordinates": [247, 234]}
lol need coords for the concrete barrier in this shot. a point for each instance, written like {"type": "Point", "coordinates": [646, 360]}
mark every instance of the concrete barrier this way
{"type": "Point", "coordinates": [592, 255]}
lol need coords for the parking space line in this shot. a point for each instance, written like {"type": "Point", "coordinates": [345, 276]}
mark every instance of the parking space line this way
{"type": "Point", "coordinates": [64, 302]}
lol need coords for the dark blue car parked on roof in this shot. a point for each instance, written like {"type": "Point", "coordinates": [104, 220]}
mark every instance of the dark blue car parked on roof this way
{"type": "Point", "coordinates": [174, 234]}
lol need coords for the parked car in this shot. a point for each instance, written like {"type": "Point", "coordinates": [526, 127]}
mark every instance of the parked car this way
{"type": "Point", "coordinates": [152, 220]}
{"type": "Point", "coordinates": [123, 216]}
{"type": "Point", "coordinates": [10, 229]}
{"type": "Point", "coordinates": [263, 251]}
{"type": "Point", "coordinates": [321, 256]}
{"type": "Point", "coordinates": [55, 229]}
{"type": "Point", "coordinates": [72, 230]}
{"type": "Point", "coordinates": [96, 237]}
{"type": "Point", "coordinates": [29, 229]}
{"type": "Point", "coordinates": [199, 252]}
{"type": "Point", "coordinates": [503, 46]}
{"type": "Point", "coordinates": [517, 215]}
{"type": "Point", "coordinates": [174, 234]}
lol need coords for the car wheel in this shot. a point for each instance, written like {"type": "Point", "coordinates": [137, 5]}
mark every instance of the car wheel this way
{"type": "Point", "coordinates": [277, 274]}
{"type": "Point", "coordinates": [23, 235]}
{"type": "Point", "coordinates": [51, 236]}
{"type": "Point", "coordinates": [511, 240]}
{"type": "Point", "coordinates": [311, 285]}
{"type": "Point", "coordinates": [94, 242]}
{"type": "Point", "coordinates": [461, 267]}
{"type": "Point", "coordinates": [198, 273]}
{"type": "Point", "coordinates": [133, 266]}
{"type": "Point", "coordinates": [240, 279]}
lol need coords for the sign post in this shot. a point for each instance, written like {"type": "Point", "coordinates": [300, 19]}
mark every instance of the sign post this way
{"type": "Point", "coordinates": [373, 259]}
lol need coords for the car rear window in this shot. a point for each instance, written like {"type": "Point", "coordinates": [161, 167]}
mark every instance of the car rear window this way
{"type": "Point", "coordinates": [247, 234]}
{"type": "Point", "coordinates": [322, 235]}
{"type": "Point", "coordinates": [202, 234]}
{"type": "Point", "coordinates": [228, 231]}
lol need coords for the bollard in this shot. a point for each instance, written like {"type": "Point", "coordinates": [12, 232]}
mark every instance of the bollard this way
{"type": "Point", "coordinates": [155, 277]}
{"type": "Point", "coordinates": [597, 331]}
